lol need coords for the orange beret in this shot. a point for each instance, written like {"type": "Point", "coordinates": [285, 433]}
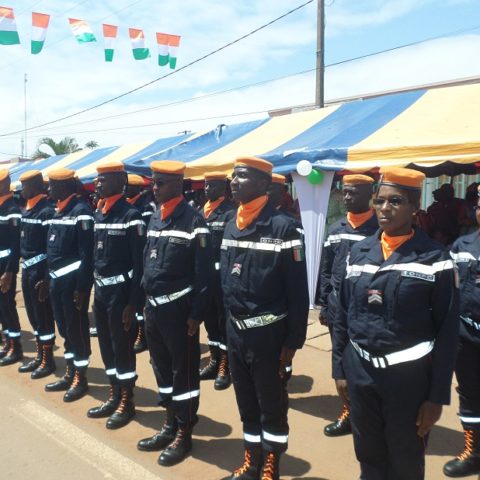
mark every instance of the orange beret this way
{"type": "Point", "coordinates": [402, 177]}
{"type": "Point", "coordinates": [61, 174]}
{"type": "Point", "coordinates": [30, 174]}
{"type": "Point", "coordinates": [357, 180]}
{"type": "Point", "coordinates": [277, 178]}
{"type": "Point", "coordinates": [216, 176]}
{"type": "Point", "coordinates": [111, 167]}
{"type": "Point", "coordinates": [135, 180]}
{"type": "Point", "coordinates": [254, 162]}
{"type": "Point", "coordinates": [4, 174]}
{"type": "Point", "coordinates": [169, 167]}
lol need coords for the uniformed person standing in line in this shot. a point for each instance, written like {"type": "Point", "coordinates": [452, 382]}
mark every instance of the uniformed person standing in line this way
{"type": "Point", "coordinates": [264, 281]}
{"type": "Point", "coordinates": [10, 217]}
{"type": "Point", "coordinates": [118, 255]}
{"type": "Point", "coordinates": [359, 223]}
{"type": "Point", "coordinates": [218, 211]}
{"type": "Point", "coordinates": [33, 248]}
{"type": "Point", "coordinates": [395, 334]}
{"type": "Point", "coordinates": [70, 262]}
{"type": "Point", "coordinates": [466, 254]}
{"type": "Point", "coordinates": [178, 266]}
{"type": "Point", "coordinates": [136, 196]}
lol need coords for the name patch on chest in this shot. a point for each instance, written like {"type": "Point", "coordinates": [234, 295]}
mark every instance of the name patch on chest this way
{"type": "Point", "coordinates": [271, 241]}
{"type": "Point", "coordinates": [418, 275]}
{"type": "Point", "coordinates": [178, 241]}
{"type": "Point", "coordinates": [117, 233]}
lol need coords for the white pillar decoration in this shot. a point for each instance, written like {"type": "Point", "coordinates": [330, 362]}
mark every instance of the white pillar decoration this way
{"type": "Point", "coordinates": [313, 201]}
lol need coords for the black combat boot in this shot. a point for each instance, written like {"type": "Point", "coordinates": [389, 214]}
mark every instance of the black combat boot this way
{"type": "Point", "coordinates": [164, 437]}
{"type": "Point", "coordinates": [5, 344]}
{"type": "Point", "coordinates": [125, 410]}
{"type": "Point", "coordinates": [210, 371]}
{"type": "Point", "coordinates": [14, 353]}
{"type": "Point", "coordinates": [107, 408]}
{"type": "Point", "coordinates": [468, 462]}
{"type": "Point", "coordinates": [223, 380]}
{"type": "Point", "coordinates": [252, 465]}
{"type": "Point", "coordinates": [78, 388]}
{"type": "Point", "coordinates": [178, 449]}
{"type": "Point", "coordinates": [140, 344]}
{"type": "Point", "coordinates": [47, 365]}
{"type": "Point", "coordinates": [33, 364]}
{"type": "Point", "coordinates": [341, 426]}
{"type": "Point", "coordinates": [63, 383]}
{"type": "Point", "coordinates": [271, 466]}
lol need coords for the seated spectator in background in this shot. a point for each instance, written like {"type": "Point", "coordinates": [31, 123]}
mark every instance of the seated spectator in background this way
{"type": "Point", "coordinates": [444, 212]}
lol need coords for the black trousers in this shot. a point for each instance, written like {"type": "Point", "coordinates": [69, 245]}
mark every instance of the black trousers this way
{"type": "Point", "coordinates": [72, 324]}
{"type": "Point", "coordinates": [40, 314]}
{"type": "Point", "coordinates": [116, 345]}
{"type": "Point", "coordinates": [467, 370]}
{"type": "Point", "coordinates": [384, 404]}
{"type": "Point", "coordinates": [8, 310]}
{"type": "Point", "coordinates": [175, 357]}
{"type": "Point", "coordinates": [261, 393]}
{"type": "Point", "coordinates": [215, 315]}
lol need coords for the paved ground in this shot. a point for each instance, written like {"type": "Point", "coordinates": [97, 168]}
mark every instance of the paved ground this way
{"type": "Point", "coordinates": [43, 436]}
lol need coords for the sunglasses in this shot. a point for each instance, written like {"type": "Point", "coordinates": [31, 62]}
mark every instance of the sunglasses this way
{"type": "Point", "coordinates": [161, 183]}
{"type": "Point", "coordinates": [392, 201]}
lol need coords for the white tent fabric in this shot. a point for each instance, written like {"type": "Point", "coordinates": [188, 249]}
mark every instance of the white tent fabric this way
{"type": "Point", "coordinates": [313, 201]}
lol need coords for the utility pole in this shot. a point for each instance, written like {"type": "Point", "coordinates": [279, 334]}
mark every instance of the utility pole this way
{"type": "Point", "coordinates": [320, 72]}
{"type": "Point", "coordinates": [25, 115]}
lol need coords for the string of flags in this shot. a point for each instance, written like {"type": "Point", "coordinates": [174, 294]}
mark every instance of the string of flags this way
{"type": "Point", "coordinates": [167, 44]}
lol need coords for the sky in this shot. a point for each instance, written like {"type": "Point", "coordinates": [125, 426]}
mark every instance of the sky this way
{"type": "Point", "coordinates": [271, 69]}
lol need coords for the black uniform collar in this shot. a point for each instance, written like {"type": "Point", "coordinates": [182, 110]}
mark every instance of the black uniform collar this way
{"type": "Point", "coordinates": [265, 218]}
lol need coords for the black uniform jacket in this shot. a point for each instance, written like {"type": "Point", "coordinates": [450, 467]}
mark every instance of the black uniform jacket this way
{"type": "Point", "coordinates": [263, 271]}
{"type": "Point", "coordinates": [119, 243]}
{"type": "Point", "coordinates": [145, 207]}
{"type": "Point", "coordinates": [9, 236]}
{"type": "Point", "coordinates": [340, 239]}
{"type": "Point", "coordinates": [466, 254]}
{"type": "Point", "coordinates": [216, 223]}
{"type": "Point", "coordinates": [34, 235]}
{"type": "Point", "coordinates": [70, 239]}
{"type": "Point", "coordinates": [413, 299]}
{"type": "Point", "coordinates": [178, 254]}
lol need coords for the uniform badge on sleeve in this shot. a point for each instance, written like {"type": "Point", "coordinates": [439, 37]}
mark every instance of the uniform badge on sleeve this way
{"type": "Point", "coordinates": [202, 239]}
{"type": "Point", "coordinates": [15, 221]}
{"type": "Point", "coordinates": [237, 269]}
{"type": "Point", "coordinates": [141, 229]}
{"type": "Point", "coordinates": [298, 253]}
{"type": "Point", "coordinates": [84, 224]}
{"type": "Point", "coordinates": [375, 297]}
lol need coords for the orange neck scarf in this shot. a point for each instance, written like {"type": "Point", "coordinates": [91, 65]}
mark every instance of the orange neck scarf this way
{"type": "Point", "coordinates": [133, 200]}
{"type": "Point", "coordinates": [4, 198]}
{"type": "Point", "coordinates": [62, 204]}
{"type": "Point", "coordinates": [31, 202]}
{"type": "Point", "coordinates": [248, 212]}
{"type": "Point", "coordinates": [390, 244]}
{"type": "Point", "coordinates": [110, 202]}
{"type": "Point", "coordinates": [210, 207]}
{"type": "Point", "coordinates": [167, 208]}
{"type": "Point", "coordinates": [356, 220]}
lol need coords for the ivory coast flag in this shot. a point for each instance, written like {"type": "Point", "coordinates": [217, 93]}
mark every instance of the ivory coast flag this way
{"type": "Point", "coordinates": [139, 47]}
{"type": "Point", "coordinates": [109, 36]}
{"type": "Point", "coordinates": [167, 49]}
{"type": "Point", "coordinates": [8, 27]}
{"type": "Point", "coordinates": [82, 31]}
{"type": "Point", "coordinates": [39, 31]}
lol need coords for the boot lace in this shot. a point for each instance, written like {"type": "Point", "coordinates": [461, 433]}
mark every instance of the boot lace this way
{"type": "Point", "coordinates": [123, 401]}
{"type": "Point", "coordinates": [138, 340]}
{"type": "Point", "coordinates": [43, 363]}
{"type": "Point", "coordinates": [247, 463]}
{"type": "Point", "coordinates": [469, 441]}
{"type": "Point", "coordinates": [178, 438]}
{"type": "Point", "coordinates": [76, 380]}
{"type": "Point", "coordinates": [269, 467]}
{"type": "Point", "coordinates": [223, 367]}
{"type": "Point", "coordinates": [345, 414]}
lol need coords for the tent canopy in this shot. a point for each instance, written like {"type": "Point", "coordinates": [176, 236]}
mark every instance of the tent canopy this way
{"type": "Point", "coordinates": [436, 130]}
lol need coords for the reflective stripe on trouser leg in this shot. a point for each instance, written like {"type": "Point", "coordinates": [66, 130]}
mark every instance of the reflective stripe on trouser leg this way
{"type": "Point", "coordinates": [8, 310]}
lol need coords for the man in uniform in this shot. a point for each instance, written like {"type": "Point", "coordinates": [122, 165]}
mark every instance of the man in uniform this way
{"type": "Point", "coordinates": [265, 290]}
{"type": "Point", "coordinates": [33, 248]}
{"type": "Point", "coordinates": [70, 262]}
{"type": "Point", "coordinates": [466, 254]}
{"type": "Point", "coordinates": [9, 257]}
{"type": "Point", "coordinates": [118, 256]}
{"type": "Point", "coordinates": [218, 211]}
{"type": "Point", "coordinates": [136, 196]}
{"type": "Point", "coordinates": [178, 266]}
{"type": "Point", "coordinates": [359, 223]}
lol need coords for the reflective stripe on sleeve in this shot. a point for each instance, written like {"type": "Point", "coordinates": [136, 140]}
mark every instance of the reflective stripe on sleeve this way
{"type": "Point", "coordinates": [118, 226]}
{"type": "Point", "coordinates": [462, 257]}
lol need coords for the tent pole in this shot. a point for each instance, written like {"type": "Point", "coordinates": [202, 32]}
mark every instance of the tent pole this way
{"type": "Point", "coordinates": [320, 75]}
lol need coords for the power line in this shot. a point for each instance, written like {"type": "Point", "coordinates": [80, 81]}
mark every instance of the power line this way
{"type": "Point", "coordinates": [140, 87]}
